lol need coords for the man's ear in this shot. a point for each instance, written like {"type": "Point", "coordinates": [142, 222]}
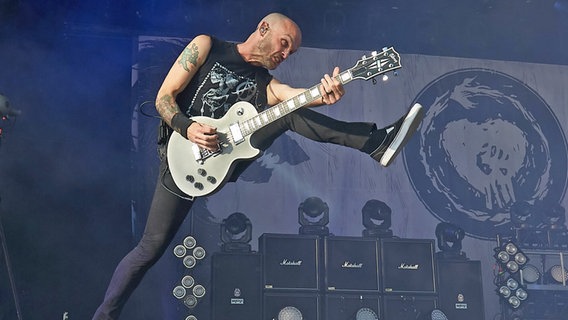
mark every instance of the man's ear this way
{"type": "Point", "coordinates": [263, 28]}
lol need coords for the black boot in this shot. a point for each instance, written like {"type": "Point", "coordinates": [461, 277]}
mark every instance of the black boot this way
{"type": "Point", "coordinates": [385, 144]}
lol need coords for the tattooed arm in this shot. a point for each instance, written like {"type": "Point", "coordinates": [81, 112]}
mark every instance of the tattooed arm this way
{"type": "Point", "coordinates": [179, 76]}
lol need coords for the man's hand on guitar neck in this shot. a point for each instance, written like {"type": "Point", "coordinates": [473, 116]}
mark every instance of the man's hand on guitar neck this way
{"type": "Point", "coordinates": [331, 89]}
{"type": "Point", "coordinates": [204, 136]}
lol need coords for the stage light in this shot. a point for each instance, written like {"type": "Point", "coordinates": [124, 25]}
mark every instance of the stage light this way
{"type": "Point", "coordinates": [189, 242]}
{"type": "Point", "coordinates": [198, 291]}
{"type": "Point", "coordinates": [290, 313]}
{"type": "Point", "coordinates": [376, 219]}
{"type": "Point", "coordinates": [510, 257]}
{"type": "Point", "coordinates": [199, 253]}
{"type": "Point", "coordinates": [530, 274]}
{"type": "Point", "coordinates": [190, 301]}
{"type": "Point", "coordinates": [313, 216]}
{"type": "Point", "coordinates": [187, 281]}
{"type": "Point", "coordinates": [5, 110]}
{"type": "Point", "coordinates": [435, 314]}
{"type": "Point", "coordinates": [523, 215]}
{"type": "Point", "coordinates": [557, 275]}
{"type": "Point", "coordinates": [366, 314]}
{"type": "Point", "coordinates": [449, 238]}
{"type": "Point", "coordinates": [179, 292]}
{"type": "Point", "coordinates": [555, 217]}
{"type": "Point", "coordinates": [180, 251]}
{"type": "Point", "coordinates": [189, 262]}
{"type": "Point", "coordinates": [236, 233]}
{"type": "Point", "coordinates": [512, 292]}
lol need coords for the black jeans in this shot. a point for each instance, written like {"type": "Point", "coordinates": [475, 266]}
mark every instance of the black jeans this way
{"type": "Point", "coordinates": [168, 211]}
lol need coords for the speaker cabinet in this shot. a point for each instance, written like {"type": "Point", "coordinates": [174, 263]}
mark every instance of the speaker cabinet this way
{"type": "Point", "coordinates": [291, 305]}
{"type": "Point", "coordinates": [408, 266]}
{"type": "Point", "coordinates": [291, 262]}
{"type": "Point", "coordinates": [460, 289]}
{"type": "Point", "coordinates": [407, 307]}
{"type": "Point", "coordinates": [237, 289]}
{"type": "Point", "coordinates": [345, 306]}
{"type": "Point", "coordinates": [351, 264]}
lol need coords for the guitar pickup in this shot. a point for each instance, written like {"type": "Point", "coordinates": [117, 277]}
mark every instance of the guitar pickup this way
{"type": "Point", "coordinates": [201, 154]}
{"type": "Point", "coordinates": [236, 133]}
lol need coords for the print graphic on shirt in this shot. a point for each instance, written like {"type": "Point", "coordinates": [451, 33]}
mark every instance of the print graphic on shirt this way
{"type": "Point", "coordinates": [224, 88]}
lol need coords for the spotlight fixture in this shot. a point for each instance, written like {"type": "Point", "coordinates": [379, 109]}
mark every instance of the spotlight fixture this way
{"type": "Point", "coordinates": [435, 314]}
{"type": "Point", "coordinates": [313, 216]}
{"type": "Point", "coordinates": [236, 233]}
{"type": "Point", "coordinates": [366, 314]}
{"type": "Point", "coordinates": [512, 292]}
{"type": "Point", "coordinates": [449, 238]}
{"type": "Point", "coordinates": [530, 274]}
{"type": "Point", "coordinates": [510, 257]}
{"type": "Point", "coordinates": [376, 219]}
{"type": "Point", "coordinates": [523, 215]}
{"type": "Point", "coordinates": [555, 217]}
{"type": "Point", "coordinates": [557, 275]}
{"type": "Point", "coordinates": [290, 313]}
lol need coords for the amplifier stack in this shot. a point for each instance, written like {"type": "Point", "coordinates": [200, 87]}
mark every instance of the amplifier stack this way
{"type": "Point", "coordinates": [332, 278]}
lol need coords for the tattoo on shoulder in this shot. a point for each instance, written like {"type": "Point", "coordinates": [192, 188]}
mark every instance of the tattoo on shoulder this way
{"type": "Point", "coordinates": [189, 55]}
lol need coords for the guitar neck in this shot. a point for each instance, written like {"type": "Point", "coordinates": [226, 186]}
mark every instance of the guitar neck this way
{"type": "Point", "coordinates": [278, 111]}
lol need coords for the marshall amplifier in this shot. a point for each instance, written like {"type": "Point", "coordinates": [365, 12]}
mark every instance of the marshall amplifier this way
{"type": "Point", "coordinates": [351, 306]}
{"type": "Point", "coordinates": [407, 266]}
{"type": "Point", "coordinates": [236, 286]}
{"type": "Point", "coordinates": [290, 306]}
{"type": "Point", "coordinates": [460, 289]}
{"type": "Point", "coordinates": [351, 264]}
{"type": "Point", "coordinates": [408, 307]}
{"type": "Point", "coordinates": [291, 262]}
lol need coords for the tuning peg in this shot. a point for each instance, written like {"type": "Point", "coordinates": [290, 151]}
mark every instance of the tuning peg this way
{"type": "Point", "coordinates": [364, 57]}
{"type": "Point", "coordinates": [374, 53]}
{"type": "Point", "coordinates": [385, 77]}
{"type": "Point", "coordinates": [385, 48]}
{"type": "Point", "coordinates": [395, 73]}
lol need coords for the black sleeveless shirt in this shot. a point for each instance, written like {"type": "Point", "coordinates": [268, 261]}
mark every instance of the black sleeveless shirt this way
{"type": "Point", "coordinates": [224, 79]}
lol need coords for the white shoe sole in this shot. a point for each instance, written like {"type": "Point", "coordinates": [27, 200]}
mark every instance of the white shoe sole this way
{"type": "Point", "coordinates": [409, 126]}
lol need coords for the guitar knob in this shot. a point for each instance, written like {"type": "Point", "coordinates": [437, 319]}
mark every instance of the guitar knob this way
{"type": "Point", "coordinates": [212, 179]}
{"type": "Point", "coordinates": [190, 178]}
{"type": "Point", "coordinates": [198, 186]}
{"type": "Point", "coordinates": [202, 172]}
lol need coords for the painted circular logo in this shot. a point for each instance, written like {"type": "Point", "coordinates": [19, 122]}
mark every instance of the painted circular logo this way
{"type": "Point", "coordinates": [487, 141]}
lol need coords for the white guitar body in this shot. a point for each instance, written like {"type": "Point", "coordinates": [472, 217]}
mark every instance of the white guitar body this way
{"type": "Point", "coordinates": [199, 172]}
{"type": "Point", "coordinates": [198, 178]}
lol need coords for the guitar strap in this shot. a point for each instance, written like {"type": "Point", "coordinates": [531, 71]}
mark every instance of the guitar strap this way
{"type": "Point", "coordinates": [262, 81]}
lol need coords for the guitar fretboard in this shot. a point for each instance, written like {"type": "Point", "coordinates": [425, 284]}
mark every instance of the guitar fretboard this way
{"type": "Point", "coordinates": [285, 107]}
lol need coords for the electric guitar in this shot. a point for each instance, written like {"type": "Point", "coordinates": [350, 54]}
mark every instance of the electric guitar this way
{"type": "Point", "coordinates": [200, 172]}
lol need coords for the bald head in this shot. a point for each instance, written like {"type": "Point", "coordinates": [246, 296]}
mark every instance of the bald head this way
{"type": "Point", "coordinates": [274, 40]}
{"type": "Point", "coordinates": [276, 19]}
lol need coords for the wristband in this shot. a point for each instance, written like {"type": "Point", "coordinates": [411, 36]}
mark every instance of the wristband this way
{"type": "Point", "coordinates": [180, 123]}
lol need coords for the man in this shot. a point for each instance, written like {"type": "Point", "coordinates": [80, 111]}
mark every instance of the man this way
{"type": "Point", "coordinates": [209, 76]}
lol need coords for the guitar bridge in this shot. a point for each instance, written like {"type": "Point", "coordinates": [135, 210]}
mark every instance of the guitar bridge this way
{"type": "Point", "coordinates": [201, 154]}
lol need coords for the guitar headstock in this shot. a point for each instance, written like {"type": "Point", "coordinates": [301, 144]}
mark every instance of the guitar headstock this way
{"type": "Point", "coordinates": [378, 63]}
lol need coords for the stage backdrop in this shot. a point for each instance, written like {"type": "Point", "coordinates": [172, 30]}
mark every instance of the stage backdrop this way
{"type": "Point", "coordinates": [493, 135]}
